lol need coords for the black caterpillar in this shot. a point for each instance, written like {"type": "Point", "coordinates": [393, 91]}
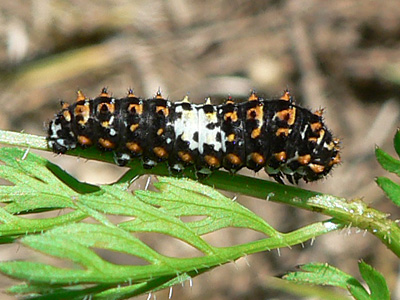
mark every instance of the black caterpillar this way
{"type": "Point", "coordinates": [276, 134]}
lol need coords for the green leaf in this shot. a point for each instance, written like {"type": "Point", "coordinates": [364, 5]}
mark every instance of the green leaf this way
{"type": "Point", "coordinates": [148, 218]}
{"type": "Point", "coordinates": [359, 294]}
{"type": "Point", "coordinates": [39, 186]}
{"type": "Point", "coordinates": [43, 292]}
{"type": "Point", "coordinates": [34, 189]}
{"type": "Point", "coordinates": [187, 198]}
{"type": "Point", "coordinates": [391, 189]}
{"type": "Point", "coordinates": [387, 162]}
{"type": "Point", "coordinates": [376, 282]}
{"type": "Point", "coordinates": [397, 142]}
{"type": "Point", "coordinates": [324, 274]}
{"type": "Point", "coordinates": [306, 291]}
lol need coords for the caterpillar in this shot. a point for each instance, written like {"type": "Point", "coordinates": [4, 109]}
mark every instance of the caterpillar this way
{"type": "Point", "coordinates": [277, 135]}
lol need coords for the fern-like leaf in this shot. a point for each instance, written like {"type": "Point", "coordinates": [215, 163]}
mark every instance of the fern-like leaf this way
{"type": "Point", "coordinates": [36, 188]}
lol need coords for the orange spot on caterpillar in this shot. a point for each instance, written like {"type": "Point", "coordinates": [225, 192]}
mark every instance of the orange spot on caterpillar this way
{"type": "Point", "coordinates": [160, 152]}
{"type": "Point", "coordinates": [255, 133]}
{"type": "Point", "coordinates": [134, 147]}
{"type": "Point", "coordinates": [282, 132]}
{"type": "Point", "coordinates": [304, 159]}
{"type": "Point", "coordinates": [231, 116]}
{"type": "Point", "coordinates": [106, 143]}
{"type": "Point", "coordinates": [136, 108]}
{"type": "Point", "coordinates": [233, 159]}
{"type": "Point", "coordinates": [83, 140]}
{"type": "Point", "coordinates": [288, 115]}
{"type": "Point", "coordinates": [211, 160]}
{"type": "Point", "coordinates": [316, 168]}
{"type": "Point", "coordinates": [185, 157]}
{"type": "Point", "coordinates": [257, 158]}
{"type": "Point", "coordinates": [280, 156]}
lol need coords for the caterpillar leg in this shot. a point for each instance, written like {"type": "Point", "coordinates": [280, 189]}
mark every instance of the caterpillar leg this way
{"type": "Point", "coordinates": [121, 158]}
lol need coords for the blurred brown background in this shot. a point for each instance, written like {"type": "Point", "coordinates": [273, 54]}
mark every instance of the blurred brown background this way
{"type": "Point", "coordinates": [340, 55]}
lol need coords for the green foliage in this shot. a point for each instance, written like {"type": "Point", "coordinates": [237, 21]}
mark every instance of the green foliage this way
{"type": "Point", "coordinates": [36, 188]}
{"type": "Point", "coordinates": [392, 165]}
{"type": "Point", "coordinates": [36, 185]}
{"type": "Point", "coordinates": [324, 274]}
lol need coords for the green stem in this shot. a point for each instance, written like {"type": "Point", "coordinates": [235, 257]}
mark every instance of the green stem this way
{"type": "Point", "coordinates": [350, 213]}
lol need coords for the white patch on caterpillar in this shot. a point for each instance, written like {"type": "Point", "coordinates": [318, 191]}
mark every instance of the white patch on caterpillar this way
{"type": "Point", "coordinates": [330, 146]}
{"type": "Point", "coordinates": [303, 133]}
{"type": "Point", "coordinates": [125, 156]}
{"type": "Point", "coordinates": [61, 142]}
{"type": "Point", "coordinates": [208, 136]}
{"type": "Point", "coordinates": [150, 163]}
{"type": "Point", "coordinates": [223, 141]}
{"type": "Point", "coordinates": [223, 134]}
{"type": "Point", "coordinates": [112, 132]}
{"type": "Point", "coordinates": [168, 123]}
{"type": "Point", "coordinates": [187, 125]}
{"type": "Point", "coordinates": [177, 167]}
{"type": "Point", "coordinates": [321, 136]}
{"type": "Point", "coordinates": [54, 128]}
